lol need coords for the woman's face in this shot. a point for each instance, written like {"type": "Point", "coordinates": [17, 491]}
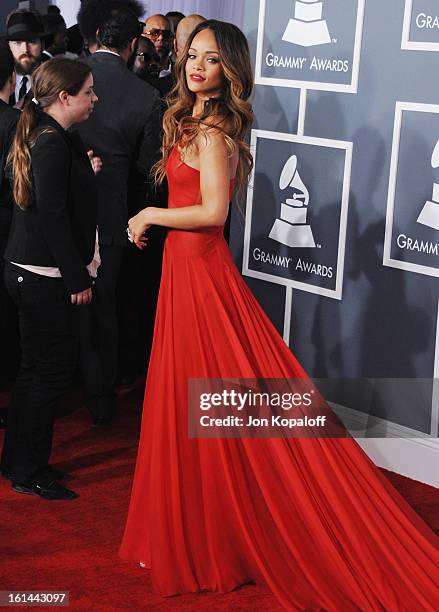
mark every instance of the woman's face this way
{"type": "Point", "coordinates": [81, 105]}
{"type": "Point", "coordinates": [204, 73]}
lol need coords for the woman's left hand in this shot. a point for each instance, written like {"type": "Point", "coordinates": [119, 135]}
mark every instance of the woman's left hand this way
{"type": "Point", "coordinates": [137, 226]}
{"type": "Point", "coordinates": [96, 162]}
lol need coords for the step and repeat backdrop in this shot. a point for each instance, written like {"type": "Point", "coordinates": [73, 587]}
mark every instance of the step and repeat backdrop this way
{"type": "Point", "coordinates": [338, 234]}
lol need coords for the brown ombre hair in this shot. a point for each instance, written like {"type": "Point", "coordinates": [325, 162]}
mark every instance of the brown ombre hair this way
{"type": "Point", "coordinates": [231, 113]}
{"type": "Point", "coordinates": [48, 81]}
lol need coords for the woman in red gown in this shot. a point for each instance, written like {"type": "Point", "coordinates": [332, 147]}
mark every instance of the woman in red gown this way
{"type": "Point", "coordinates": [313, 518]}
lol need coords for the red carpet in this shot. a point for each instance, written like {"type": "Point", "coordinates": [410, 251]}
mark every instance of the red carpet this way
{"type": "Point", "coordinates": [72, 546]}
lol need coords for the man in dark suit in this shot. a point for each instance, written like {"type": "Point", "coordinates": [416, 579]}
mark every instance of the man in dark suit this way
{"type": "Point", "coordinates": [24, 32]}
{"type": "Point", "coordinates": [9, 345]}
{"type": "Point", "coordinates": [124, 132]}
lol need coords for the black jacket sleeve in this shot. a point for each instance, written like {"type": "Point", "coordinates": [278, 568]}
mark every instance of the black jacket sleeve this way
{"type": "Point", "coordinates": [51, 162]}
{"type": "Point", "coordinates": [151, 140]}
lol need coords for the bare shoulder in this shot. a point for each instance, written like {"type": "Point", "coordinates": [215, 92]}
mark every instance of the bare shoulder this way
{"type": "Point", "coordinates": [211, 134]}
{"type": "Point", "coordinates": [214, 133]}
{"type": "Point", "coordinates": [215, 146]}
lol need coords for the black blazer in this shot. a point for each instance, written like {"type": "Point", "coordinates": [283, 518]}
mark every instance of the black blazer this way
{"type": "Point", "coordinates": [8, 122]}
{"type": "Point", "coordinates": [124, 130]}
{"type": "Point", "coordinates": [58, 228]}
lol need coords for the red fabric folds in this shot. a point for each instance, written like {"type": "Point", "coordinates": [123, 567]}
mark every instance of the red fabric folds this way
{"type": "Point", "coordinates": [313, 518]}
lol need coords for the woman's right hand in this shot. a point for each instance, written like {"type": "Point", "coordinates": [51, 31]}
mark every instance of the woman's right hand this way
{"type": "Point", "coordinates": [137, 226]}
{"type": "Point", "coordinates": [83, 297]}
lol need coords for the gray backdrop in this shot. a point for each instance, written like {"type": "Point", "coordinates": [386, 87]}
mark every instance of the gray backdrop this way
{"type": "Point", "coordinates": [385, 324]}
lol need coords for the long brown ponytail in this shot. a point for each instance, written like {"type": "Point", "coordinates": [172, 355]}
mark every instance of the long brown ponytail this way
{"type": "Point", "coordinates": [57, 75]}
{"type": "Point", "coordinates": [19, 156]}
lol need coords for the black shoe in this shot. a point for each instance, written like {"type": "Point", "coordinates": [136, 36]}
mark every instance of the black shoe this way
{"type": "Point", "coordinates": [52, 490]}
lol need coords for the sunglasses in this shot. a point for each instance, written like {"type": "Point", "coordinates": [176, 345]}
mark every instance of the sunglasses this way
{"type": "Point", "coordinates": [154, 33]}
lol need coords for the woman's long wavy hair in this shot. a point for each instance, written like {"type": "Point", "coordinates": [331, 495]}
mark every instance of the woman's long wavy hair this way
{"type": "Point", "coordinates": [231, 113]}
{"type": "Point", "coordinates": [48, 80]}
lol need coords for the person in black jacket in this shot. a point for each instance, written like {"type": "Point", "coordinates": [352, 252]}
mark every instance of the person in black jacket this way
{"type": "Point", "coordinates": [125, 132]}
{"type": "Point", "coordinates": [9, 344]}
{"type": "Point", "coordinates": [48, 264]}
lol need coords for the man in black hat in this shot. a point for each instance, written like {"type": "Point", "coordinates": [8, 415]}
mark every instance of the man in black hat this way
{"type": "Point", "coordinates": [24, 32]}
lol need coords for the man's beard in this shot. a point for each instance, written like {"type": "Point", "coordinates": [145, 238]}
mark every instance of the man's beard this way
{"type": "Point", "coordinates": [29, 67]}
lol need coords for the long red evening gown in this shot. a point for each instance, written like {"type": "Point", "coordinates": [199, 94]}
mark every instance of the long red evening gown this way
{"type": "Point", "coordinates": [313, 518]}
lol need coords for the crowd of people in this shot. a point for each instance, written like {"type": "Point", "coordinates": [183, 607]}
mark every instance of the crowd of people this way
{"type": "Point", "coordinates": [94, 171]}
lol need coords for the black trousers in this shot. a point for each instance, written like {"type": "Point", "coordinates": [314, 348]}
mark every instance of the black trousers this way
{"type": "Point", "coordinates": [49, 332]}
{"type": "Point", "coordinates": [99, 335]}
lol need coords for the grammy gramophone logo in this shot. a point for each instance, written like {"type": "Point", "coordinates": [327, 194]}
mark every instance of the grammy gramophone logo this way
{"type": "Point", "coordinates": [292, 228]}
{"type": "Point", "coordinates": [307, 28]}
{"type": "Point", "coordinates": [429, 215]}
